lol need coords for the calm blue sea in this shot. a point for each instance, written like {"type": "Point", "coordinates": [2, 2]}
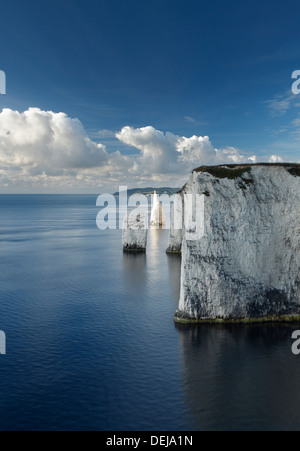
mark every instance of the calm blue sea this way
{"type": "Point", "coordinates": [92, 345]}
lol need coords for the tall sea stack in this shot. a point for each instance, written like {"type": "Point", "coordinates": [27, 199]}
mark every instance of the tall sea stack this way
{"type": "Point", "coordinates": [158, 218]}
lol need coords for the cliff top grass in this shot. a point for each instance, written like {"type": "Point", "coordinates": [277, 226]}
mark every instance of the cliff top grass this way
{"type": "Point", "coordinates": [234, 171]}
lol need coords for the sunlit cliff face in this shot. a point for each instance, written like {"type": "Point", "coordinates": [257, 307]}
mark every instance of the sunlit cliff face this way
{"type": "Point", "coordinates": [247, 264]}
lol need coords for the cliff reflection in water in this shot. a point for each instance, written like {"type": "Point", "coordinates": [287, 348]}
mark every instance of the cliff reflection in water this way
{"type": "Point", "coordinates": [240, 377]}
{"type": "Point", "coordinates": [233, 377]}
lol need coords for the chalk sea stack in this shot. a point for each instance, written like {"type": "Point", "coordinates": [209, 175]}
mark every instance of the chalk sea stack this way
{"type": "Point", "coordinates": [246, 267]}
{"type": "Point", "coordinates": [135, 231]}
{"type": "Point", "coordinates": [158, 218]}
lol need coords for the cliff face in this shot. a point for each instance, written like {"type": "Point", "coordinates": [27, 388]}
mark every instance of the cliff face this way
{"type": "Point", "coordinates": [246, 267]}
{"type": "Point", "coordinates": [176, 235]}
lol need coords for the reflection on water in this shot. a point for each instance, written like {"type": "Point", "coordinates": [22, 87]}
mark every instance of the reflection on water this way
{"type": "Point", "coordinates": [240, 377]}
{"type": "Point", "coordinates": [134, 272]}
{"type": "Point", "coordinates": [156, 240]}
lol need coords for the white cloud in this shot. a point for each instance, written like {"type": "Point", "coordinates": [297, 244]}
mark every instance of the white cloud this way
{"type": "Point", "coordinates": [296, 122]}
{"type": "Point", "coordinates": [45, 149]}
{"type": "Point", "coordinates": [40, 140]}
{"type": "Point", "coordinates": [158, 150]}
{"type": "Point", "coordinates": [280, 104]}
{"type": "Point", "coordinates": [51, 152]}
{"type": "Point", "coordinates": [275, 159]}
{"type": "Point", "coordinates": [169, 153]}
{"type": "Point", "coordinates": [190, 119]}
{"type": "Point", "coordinates": [105, 133]}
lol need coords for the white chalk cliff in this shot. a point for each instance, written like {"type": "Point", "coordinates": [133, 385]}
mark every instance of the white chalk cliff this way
{"type": "Point", "coordinates": [135, 227]}
{"type": "Point", "coordinates": [247, 265]}
{"type": "Point", "coordinates": [158, 217]}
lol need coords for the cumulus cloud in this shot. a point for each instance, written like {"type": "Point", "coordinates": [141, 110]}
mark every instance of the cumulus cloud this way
{"type": "Point", "coordinates": [40, 141]}
{"type": "Point", "coordinates": [169, 153]}
{"type": "Point", "coordinates": [51, 150]}
{"type": "Point", "coordinates": [158, 153]}
{"type": "Point", "coordinates": [275, 159]}
{"type": "Point", "coordinates": [43, 150]}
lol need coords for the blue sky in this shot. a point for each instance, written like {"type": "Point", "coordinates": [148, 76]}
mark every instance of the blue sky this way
{"type": "Point", "coordinates": [192, 68]}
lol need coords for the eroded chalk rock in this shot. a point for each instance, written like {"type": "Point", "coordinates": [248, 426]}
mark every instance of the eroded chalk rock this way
{"type": "Point", "coordinates": [158, 218]}
{"type": "Point", "coordinates": [135, 231]}
{"type": "Point", "coordinates": [247, 265]}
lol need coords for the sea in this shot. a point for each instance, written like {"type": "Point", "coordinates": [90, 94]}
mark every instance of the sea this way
{"type": "Point", "coordinates": [91, 342]}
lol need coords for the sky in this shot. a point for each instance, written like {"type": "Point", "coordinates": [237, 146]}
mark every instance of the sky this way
{"type": "Point", "coordinates": [102, 93]}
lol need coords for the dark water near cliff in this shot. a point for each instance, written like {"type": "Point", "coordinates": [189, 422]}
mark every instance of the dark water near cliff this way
{"type": "Point", "coordinates": [91, 342]}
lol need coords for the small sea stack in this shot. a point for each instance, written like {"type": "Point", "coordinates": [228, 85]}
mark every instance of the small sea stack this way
{"type": "Point", "coordinates": [158, 217]}
{"type": "Point", "coordinates": [135, 231]}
